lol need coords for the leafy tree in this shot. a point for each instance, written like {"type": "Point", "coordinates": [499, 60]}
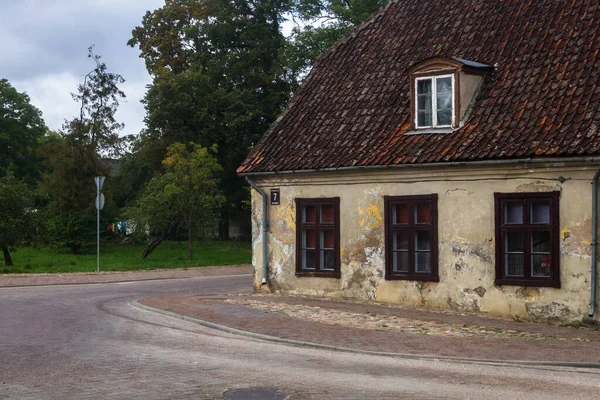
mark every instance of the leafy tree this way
{"type": "Point", "coordinates": [218, 78]}
{"type": "Point", "coordinates": [21, 127]}
{"type": "Point", "coordinates": [16, 223]}
{"type": "Point", "coordinates": [68, 191]}
{"type": "Point", "coordinates": [222, 72]}
{"type": "Point", "coordinates": [98, 97]}
{"type": "Point", "coordinates": [186, 194]}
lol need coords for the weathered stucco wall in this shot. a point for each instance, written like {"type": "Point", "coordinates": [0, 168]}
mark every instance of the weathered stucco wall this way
{"type": "Point", "coordinates": [465, 230]}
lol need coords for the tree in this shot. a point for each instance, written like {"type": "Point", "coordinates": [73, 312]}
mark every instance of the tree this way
{"type": "Point", "coordinates": [67, 195]}
{"type": "Point", "coordinates": [15, 221]}
{"type": "Point", "coordinates": [186, 194]}
{"type": "Point", "coordinates": [21, 127]}
{"type": "Point", "coordinates": [218, 78]}
{"type": "Point", "coordinates": [68, 191]}
{"type": "Point", "coordinates": [222, 72]}
{"type": "Point", "coordinates": [98, 97]}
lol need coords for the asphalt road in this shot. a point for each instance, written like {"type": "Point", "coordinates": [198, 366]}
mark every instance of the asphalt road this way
{"type": "Point", "coordinates": [89, 342]}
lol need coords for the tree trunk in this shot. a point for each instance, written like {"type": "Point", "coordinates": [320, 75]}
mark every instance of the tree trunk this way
{"type": "Point", "coordinates": [190, 242]}
{"type": "Point", "coordinates": [224, 223]}
{"type": "Point", "coordinates": [153, 244]}
{"type": "Point", "coordinates": [7, 258]}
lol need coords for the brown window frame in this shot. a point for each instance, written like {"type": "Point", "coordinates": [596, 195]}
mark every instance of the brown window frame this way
{"type": "Point", "coordinates": [527, 227]}
{"type": "Point", "coordinates": [318, 226]}
{"type": "Point", "coordinates": [411, 228]}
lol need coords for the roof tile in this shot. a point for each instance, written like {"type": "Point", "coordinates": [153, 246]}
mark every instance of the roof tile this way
{"type": "Point", "coordinates": [542, 99]}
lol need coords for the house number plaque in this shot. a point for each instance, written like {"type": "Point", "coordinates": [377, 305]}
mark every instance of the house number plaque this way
{"type": "Point", "coordinates": [274, 197]}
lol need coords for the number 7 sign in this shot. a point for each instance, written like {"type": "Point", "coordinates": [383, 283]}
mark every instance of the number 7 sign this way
{"type": "Point", "coordinates": [274, 197]}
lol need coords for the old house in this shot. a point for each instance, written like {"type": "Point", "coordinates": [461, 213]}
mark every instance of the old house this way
{"type": "Point", "coordinates": [442, 154]}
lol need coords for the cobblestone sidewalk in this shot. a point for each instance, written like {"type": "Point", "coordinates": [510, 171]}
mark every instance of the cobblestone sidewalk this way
{"type": "Point", "coordinates": [380, 322]}
{"type": "Point", "coordinates": [387, 328]}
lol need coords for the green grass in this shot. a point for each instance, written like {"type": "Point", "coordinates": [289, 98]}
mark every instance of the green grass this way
{"type": "Point", "coordinates": [127, 257]}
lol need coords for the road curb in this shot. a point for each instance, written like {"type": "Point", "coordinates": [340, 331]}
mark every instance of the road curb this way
{"type": "Point", "coordinates": [116, 282]}
{"type": "Point", "coordinates": [298, 343]}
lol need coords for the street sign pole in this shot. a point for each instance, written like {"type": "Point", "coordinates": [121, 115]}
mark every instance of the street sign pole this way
{"type": "Point", "coordinates": [99, 205]}
{"type": "Point", "coordinates": [98, 237]}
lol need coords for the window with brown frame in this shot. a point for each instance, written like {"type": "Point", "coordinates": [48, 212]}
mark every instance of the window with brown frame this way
{"type": "Point", "coordinates": [411, 238]}
{"type": "Point", "coordinates": [527, 239]}
{"type": "Point", "coordinates": [318, 237]}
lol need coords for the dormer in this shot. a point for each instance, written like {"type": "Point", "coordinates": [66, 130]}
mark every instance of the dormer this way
{"type": "Point", "coordinates": [442, 92]}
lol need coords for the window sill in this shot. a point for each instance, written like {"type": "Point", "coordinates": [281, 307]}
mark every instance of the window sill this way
{"type": "Point", "coordinates": [413, 277]}
{"type": "Point", "coordinates": [430, 131]}
{"type": "Point", "coordinates": [318, 274]}
{"type": "Point", "coordinates": [527, 282]}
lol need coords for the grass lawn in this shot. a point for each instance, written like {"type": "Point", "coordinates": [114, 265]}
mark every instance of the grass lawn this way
{"type": "Point", "coordinates": [127, 257]}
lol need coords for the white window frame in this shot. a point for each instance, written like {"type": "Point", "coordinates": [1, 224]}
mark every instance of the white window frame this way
{"type": "Point", "coordinates": [434, 79]}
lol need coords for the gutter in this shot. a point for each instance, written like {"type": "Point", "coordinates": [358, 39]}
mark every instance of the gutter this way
{"type": "Point", "coordinates": [265, 228]}
{"type": "Point", "coordinates": [518, 161]}
{"type": "Point", "coordinates": [594, 265]}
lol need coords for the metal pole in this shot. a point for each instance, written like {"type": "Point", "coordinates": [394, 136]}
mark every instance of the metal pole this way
{"type": "Point", "coordinates": [594, 266]}
{"type": "Point", "coordinates": [265, 228]}
{"type": "Point", "coordinates": [98, 235]}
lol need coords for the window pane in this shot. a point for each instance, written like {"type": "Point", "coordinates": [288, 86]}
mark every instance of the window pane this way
{"type": "Point", "coordinates": [422, 213]}
{"type": "Point", "coordinates": [400, 262]}
{"type": "Point", "coordinates": [444, 85]}
{"type": "Point", "coordinates": [514, 264]}
{"type": "Point", "coordinates": [514, 242]}
{"type": "Point", "coordinates": [400, 240]}
{"type": "Point", "coordinates": [422, 240]}
{"type": "Point", "coordinates": [400, 214]}
{"type": "Point", "coordinates": [540, 212]}
{"type": "Point", "coordinates": [327, 260]}
{"type": "Point", "coordinates": [444, 101]}
{"type": "Point", "coordinates": [424, 102]}
{"type": "Point", "coordinates": [308, 259]}
{"type": "Point", "coordinates": [309, 239]}
{"type": "Point", "coordinates": [423, 262]}
{"type": "Point", "coordinates": [424, 118]}
{"type": "Point", "coordinates": [540, 242]}
{"type": "Point", "coordinates": [327, 239]}
{"type": "Point", "coordinates": [444, 117]}
{"type": "Point", "coordinates": [327, 214]}
{"type": "Point", "coordinates": [513, 212]}
{"type": "Point", "coordinates": [540, 265]}
{"type": "Point", "coordinates": [424, 86]}
{"type": "Point", "coordinates": [309, 214]}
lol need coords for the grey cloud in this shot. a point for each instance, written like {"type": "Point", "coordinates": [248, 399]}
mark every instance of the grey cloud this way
{"type": "Point", "coordinates": [44, 46]}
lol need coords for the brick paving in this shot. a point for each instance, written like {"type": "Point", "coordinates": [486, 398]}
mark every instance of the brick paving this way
{"type": "Point", "coordinates": [380, 327]}
{"type": "Point", "coordinates": [89, 342]}
{"type": "Point", "coordinates": [10, 280]}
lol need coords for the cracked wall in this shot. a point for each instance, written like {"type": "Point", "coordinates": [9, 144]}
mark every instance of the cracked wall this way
{"type": "Point", "coordinates": [465, 235]}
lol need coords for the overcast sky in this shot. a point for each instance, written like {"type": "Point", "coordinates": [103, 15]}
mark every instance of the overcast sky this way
{"type": "Point", "coordinates": [43, 51]}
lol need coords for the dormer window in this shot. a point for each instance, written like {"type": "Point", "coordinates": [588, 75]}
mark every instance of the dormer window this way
{"type": "Point", "coordinates": [442, 93]}
{"type": "Point", "coordinates": [435, 101]}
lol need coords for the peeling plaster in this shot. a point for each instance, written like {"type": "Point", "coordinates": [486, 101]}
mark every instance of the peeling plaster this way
{"type": "Point", "coordinates": [466, 245]}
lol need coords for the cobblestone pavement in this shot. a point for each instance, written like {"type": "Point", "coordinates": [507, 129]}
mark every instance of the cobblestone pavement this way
{"type": "Point", "coordinates": [381, 322]}
{"type": "Point", "coordinates": [89, 342]}
{"type": "Point", "coordinates": [387, 328]}
{"type": "Point", "coordinates": [11, 280]}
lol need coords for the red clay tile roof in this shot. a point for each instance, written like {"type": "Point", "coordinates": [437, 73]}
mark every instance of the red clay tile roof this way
{"type": "Point", "coordinates": [543, 99]}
